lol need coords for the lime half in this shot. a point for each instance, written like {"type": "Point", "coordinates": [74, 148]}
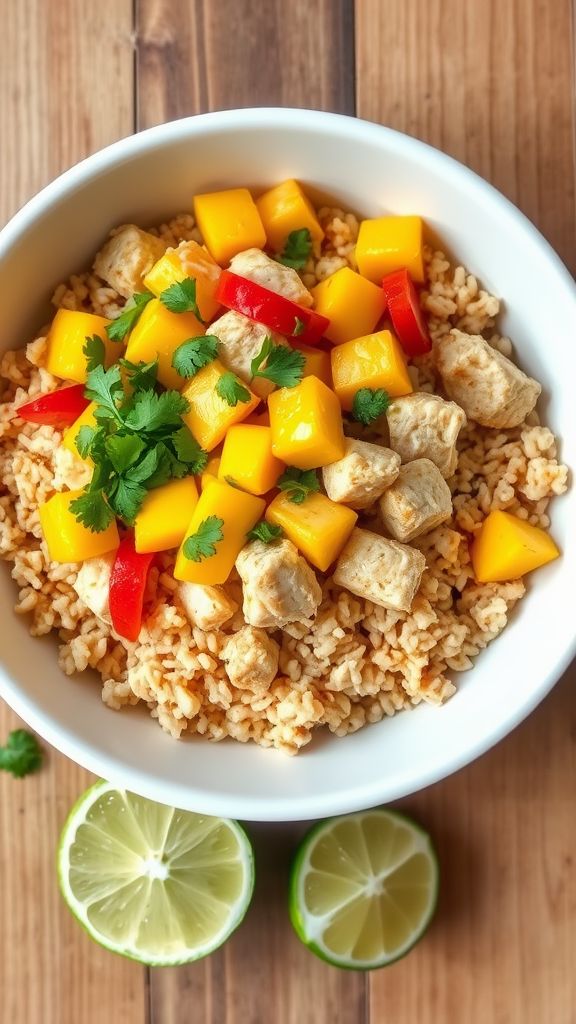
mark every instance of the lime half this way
{"type": "Point", "coordinates": [363, 888]}
{"type": "Point", "coordinates": [159, 885]}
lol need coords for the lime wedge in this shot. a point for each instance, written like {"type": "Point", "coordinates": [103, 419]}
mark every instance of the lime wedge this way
{"type": "Point", "coordinates": [363, 888]}
{"type": "Point", "coordinates": [153, 883]}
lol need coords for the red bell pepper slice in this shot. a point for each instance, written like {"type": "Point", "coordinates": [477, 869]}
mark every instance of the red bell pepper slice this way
{"type": "Point", "coordinates": [275, 311]}
{"type": "Point", "coordinates": [57, 408]}
{"type": "Point", "coordinates": [127, 586]}
{"type": "Point", "coordinates": [406, 314]}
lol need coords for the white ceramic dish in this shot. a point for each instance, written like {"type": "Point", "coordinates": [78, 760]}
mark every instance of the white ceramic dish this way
{"type": "Point", "coordinates": [371, 169]}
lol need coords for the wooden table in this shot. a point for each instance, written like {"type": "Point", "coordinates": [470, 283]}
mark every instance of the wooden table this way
{"type": "Point", "coordinates": [490, 81]}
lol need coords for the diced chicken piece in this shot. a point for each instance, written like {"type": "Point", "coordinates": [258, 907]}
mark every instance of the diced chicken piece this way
{"type": "Point", "coordinates": [279, 585]}
{"type": "Point", "coordinates": [424, 426]}
{"type": "Point", "coordinates": [127, 257]}
{"type": "Point", "coordinates": [251, 659]}
{"type": "Point", "coordinates": [362, 475]}
{"type": "Point", "coordinates": [93, 585]}
{"type": "Point", "coordinates": [206, 607]}
{"type": "Point", "coordinates": [240, 341]}
{"type": "Point", "coordinates": [417, 501]}
{"type": "Point", "coordinates": [258, 267]}
{"type": "Point", "coordinates": [491, 389]}
{"type": "Point", "coordinates": [380, 570]}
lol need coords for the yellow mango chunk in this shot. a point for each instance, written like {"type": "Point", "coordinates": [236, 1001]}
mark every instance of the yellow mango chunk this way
{"type": "Point", "coordinates": [66, 339]}
{"type": "Point", "coordinates": [375, 361]}
{"type": "Point", "coordinates": [352, 304]}
{"type": "Point", "coordinates": [390, 243]}
{"type": "Point", "coordinates": [67, 539]}
{"type": "Point", "coordinates": [164, 515]}
{"type": "Point", "coordinates": [158, 333]}
{"type": "Point", "coordinates": [229, 223]}
{"type": "Point", "coordinates": [506, 548]}
{"type": "Point", "coordinates": [247, 459]}
{"type": "Point", "coordinates": [317, 363]}
{"type": "Point", "coordinates": [287, 208]}
{"type": "Point", "coordinates": [189, 259]}
{"type": "Point", "coordinates": [86, 419]}
{"type": "Point", "coordinates": [210, 472]}
{"type": "Point", "coordinates": [210, 416]}
{"type": "Point", "coordinates": [306, 424]}
{"type": "Point", "coordinates": [319, 527]}
{"type": "Point", "coordinates": [239, 512]}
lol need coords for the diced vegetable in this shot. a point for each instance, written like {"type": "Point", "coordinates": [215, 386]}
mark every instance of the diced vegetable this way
{"type": "Point", "coordinates": [247, 459]}
{"type": "Point", "coordinates": [266, 307]}
{"type": "Point", "coordinates": [406, 314]}
{"type": "Point", "coordinates": [210, 416]}
{"type": "Point", "coordinates": [67, 540]}
{"type": "Point", "coordinates": [158, 333]}
{"type": "Point", "coordinates": [127, 587]}
{"type": "Point", "coordinates": [306, 425]}
{"type": "Point", "coordinates": [87, 419]}
{"type": "Point", "coordinates": [237, 512]}
{"type": "Point", "coordinates": [318, 527]}
{"type": "Point", "coordinates": [352, 304]}
{"type": "Point", "coordinates": [165, 513]}
{"type": "Point", "coordinates": [210, 473]}
{"type": "Point", "coordinates": [506, 548]}
{"type": "Point", "coordinates": [386, 244]}
{"type": "Point", "coordinates": [317, 363]}
{"type": "Point", "coordinates": [284, 209]}
{"type": "Point", "coordinates": [189, 259]}
{"type": "Point", "coordinates": [229, 223]}
{"type": "Point", "coordinates": [57, 408]}
{"type": "Point", "coordinates": [66, 339]}
{"type": "Point", "coordinates": [375, 361]}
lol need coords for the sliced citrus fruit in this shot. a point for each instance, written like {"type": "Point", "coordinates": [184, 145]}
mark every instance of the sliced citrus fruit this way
{"type": "Point", "coordinates": [159, 885]}
{"type": "Point", "coordinates": [363, 888]}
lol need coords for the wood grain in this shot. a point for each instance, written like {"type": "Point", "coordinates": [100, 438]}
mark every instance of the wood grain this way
{"type": "Point", "coordinates": [61, 97]}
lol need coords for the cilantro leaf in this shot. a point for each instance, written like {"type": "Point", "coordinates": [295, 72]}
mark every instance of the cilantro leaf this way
{"type": "Point", "coordinates": [141, 376]}
{"type": "Point", "coordinates": [189, 451]}
{"type": "Point", "coordinates": [149, 412]}
{"type": "Point", "coordinates": [21, 755]}
{"type": "Point", "coordinates": [266, 532]}
{"type": "Point", "coordinates": [105, 388]}
{"type": "Point", "coordinates": [202, 544]}
{"type": "Point", "coordinates": [230, 389]}
{"type": "Point", "coordinates": [92, 510]}
{"type": "Point", "coordinates": [147, 466]}
{"type": "Point", "coordinates": [369, 404]}
{"type": "Point", "coordinates": [299, 327]}
{"type": "Point", "coordinates": [298, 483]}
{"type": "Point", "coordinates": [180, 297]}
{"type": "Point", "coordinates": [84, 440]}
{"type": "Point", "coordinates": [126, 499]}
{"type": "Point", "coordinates": [193, 354]}
{"type": "Point", "coordinates": [297, 249]}
{"type": "Point", "coordinates": [133, 310]}
{"type": "Point", "coordinates": [123, 450]}
{"type": "Point", "coordinates": [94, 351]}
{"type": "Point", "coordinates": [284, 366]}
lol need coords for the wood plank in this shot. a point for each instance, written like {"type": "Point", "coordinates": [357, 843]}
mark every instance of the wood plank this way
{"type": "Point", "coordinates": [61, 97]}
{"type": "Point", "coordinates": [465, 77]}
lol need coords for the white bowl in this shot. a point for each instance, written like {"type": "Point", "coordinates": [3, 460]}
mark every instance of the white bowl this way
{"type": "Point", "coordinates": [370, 169]}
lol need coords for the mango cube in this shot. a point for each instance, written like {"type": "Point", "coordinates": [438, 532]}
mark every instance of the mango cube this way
{"type": "Point", "coordinates": [239, 512]}
{"type": "Point", "coordinates": [189, 259]}
{"type": "Point", "coordinates": [317, 363]}
{"type": "Point", "coordinates": [210, 416]}
{"type": "Point", "coordinates": [86, 419]}
{"type": "Point", "coordinates": [66, 538]}
{"type": "Point", "coordinates": [158, 333]}
{"type": "Point", "coordinates": [319, 527]}
{"type": "Point", "coordinates": [210, 472]}
{"type": "Point", "coordinates": [352, 304]}
{"type": "Point", "coordinates": [164, 515]}
{"type": "Point", "coordinates": [375, 361]}
{"type": "Point", "coordinates": [284, 209]}
{"type": "Point", "coordinates": [66, 340]}
{"type": "Point", "coordinates": [229, 222]}
{"type": "Point", "coordinates": [390, 243]}
{"type": "Point", "coordinates": [306, 424]}
{"type": "Point", "coordinates": [506, 548]}
{"type": "Point", "coordinates": [247, 459]}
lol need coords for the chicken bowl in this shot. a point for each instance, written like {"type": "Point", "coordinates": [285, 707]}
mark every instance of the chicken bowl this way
{"type": "Point", "coordinates": [282, 448]}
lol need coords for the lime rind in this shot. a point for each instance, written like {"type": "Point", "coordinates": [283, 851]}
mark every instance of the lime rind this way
{"type": "Point", "coordinates": [152, 958]}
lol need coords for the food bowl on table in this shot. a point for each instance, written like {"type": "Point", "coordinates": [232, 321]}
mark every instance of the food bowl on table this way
{"type": "Point", "coordinates": [370, 170]}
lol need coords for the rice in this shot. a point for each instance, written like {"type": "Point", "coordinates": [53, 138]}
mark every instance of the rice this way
{"type": "Point", "coordinates": [356, 663]}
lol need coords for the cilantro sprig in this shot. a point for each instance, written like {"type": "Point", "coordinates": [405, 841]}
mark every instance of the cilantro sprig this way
{"type": "Point", "coordinates": [21, 755]}
{"type": "Point", "coordinates": [298, 483]}
{"type": "Point", "coordinates": [202, 543]}
{"type": "Point", "coordinates": [192, 355]}
{"type": "Point", "coordinates": [132, 312]}
{"type": "Point", "coordinates": [297, 249]}
{"type": "Point", "coordinates": [231, 389]}
{"type": "Point", "coordinates": [94, 351]}
{"type": "Point", "coordinates": [266, 532]}
{"type": "Point", "coordinates": [280, 364]}
{"type": "Point", "coordinates": [180, 297]}
{"type": "Point", "coordinates": [369, 404]}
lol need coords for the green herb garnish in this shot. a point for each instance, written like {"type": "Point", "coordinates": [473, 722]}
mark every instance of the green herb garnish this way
{"type": "Point", "coordinates": [266, 532]}
{"type": "Point", "coordinates": [94, 351]}
{"type": "Point", "coordinates": [133, 310]}
{"type": "Point", "coordinates": [140, 375]}
{"type": "Point", "coordinates": [369, 404]}
{"type": "Point", "coordinates": [298, 483]}
{"type": "Point", "coordinates": [21, 755]}
{"type": "Point", "coordinates": [299, 327]}
{"type": "Point", "coordinates": [202, 544]}
{"type": "Point", "coordinates": [283, 366]}
{"type": "Point", "coordinates": [194, 354]}
{"type": "Point", "coordinates": [180, 297]}
{"type": "Point", "coordinates": [230, 389]}
{"type": "Point", "coordinates": [297, 249]}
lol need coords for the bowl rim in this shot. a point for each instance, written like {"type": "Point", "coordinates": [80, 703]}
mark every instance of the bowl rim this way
{"type": "Point", "coordinates": [359, 795]}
